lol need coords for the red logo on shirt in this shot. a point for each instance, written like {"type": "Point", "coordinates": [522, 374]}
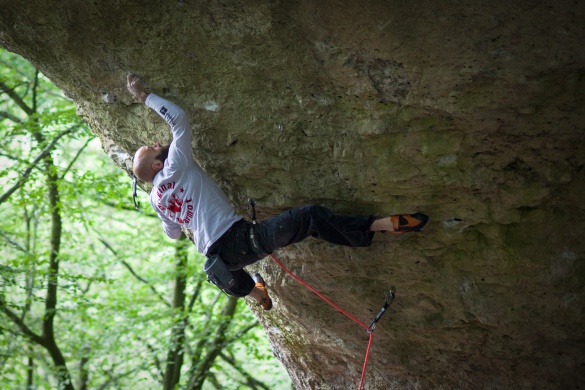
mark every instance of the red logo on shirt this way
{"type": "Point", "coordinates": [174, 205]}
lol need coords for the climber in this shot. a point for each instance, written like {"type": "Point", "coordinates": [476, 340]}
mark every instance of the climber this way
{"type": "Point", "coordinates": [184, 196]}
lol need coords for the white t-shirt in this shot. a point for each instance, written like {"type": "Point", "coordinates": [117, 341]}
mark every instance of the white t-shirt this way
{"type": "Point", "coordinates": [183, 195]}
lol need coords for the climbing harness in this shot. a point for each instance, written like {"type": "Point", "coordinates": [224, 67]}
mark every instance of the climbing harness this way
{"type": "Point", "coordinates": [390, 295]}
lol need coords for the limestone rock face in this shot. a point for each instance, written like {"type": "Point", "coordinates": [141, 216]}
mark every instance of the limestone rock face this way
{"type": "Point", "coordinates": [472, 112]}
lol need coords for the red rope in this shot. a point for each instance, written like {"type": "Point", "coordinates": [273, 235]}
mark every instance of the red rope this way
{"type": "Point", "coordinates": [366, 359]}
{"type": "Point", "coordinates": [338, 308]}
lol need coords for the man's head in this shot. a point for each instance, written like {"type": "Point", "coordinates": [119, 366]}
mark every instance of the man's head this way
{"type": "Point", "coordinates": [149, 160]}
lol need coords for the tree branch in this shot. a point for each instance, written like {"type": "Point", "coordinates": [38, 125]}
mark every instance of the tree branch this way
{"type": "Point", "coordinates": [126, 208]}
{"type": "Point", "coordinates": [155, 358]}
{"type": "Point", "coordinates": [35, 87]}
{"type": "Point", "coordinates": [200, 368]}
{"type": "Point", "coordinates": [129, 268]}
{"type": "Point", "coordinates": [11, 157]}
{"type": "Point", "coordinates": [13, 243]}
{"type": "Point", "coordinates": [17, 159]}
{"type": "Point", "coordinates": [44, 153]}
{"type": "Point", "coordinates": [31, 239]}
{"type": "Point", "coordinates": [198, 350]}
{"type": "Point", "coordinates": [26, 75]}
{"type": "Point", "coordinates": [189, 310]}
{"type": "Point", "coordinates": [250, 380]}
{"type": "Point", "coordinates": [114, 378]}
{"type": "Point", "coordinates": [194, 296]}
{"type": "Point", "coordinates": [76, 157]}
{"type": "Point", "coordinates": [21, 325]}
{"type": "Point", "coordinates": [242, 332]}
{"type": "Point", "coordinates": [212, 378]}
{"type": "Point", "coordinates": [7, 115]}
{"type": "Point", "coordinates": [16, 99]}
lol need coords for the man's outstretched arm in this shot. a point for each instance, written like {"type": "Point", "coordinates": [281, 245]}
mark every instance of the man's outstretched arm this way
{"type": "Point", "coordinates": [176, 118]}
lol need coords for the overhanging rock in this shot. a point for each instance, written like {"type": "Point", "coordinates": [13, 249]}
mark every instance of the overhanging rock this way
{"type": "Point", "coordinates": [472, 113]}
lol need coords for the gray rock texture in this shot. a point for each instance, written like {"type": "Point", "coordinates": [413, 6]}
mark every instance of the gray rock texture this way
{"type": "Point", "coordinates": [472, 112]}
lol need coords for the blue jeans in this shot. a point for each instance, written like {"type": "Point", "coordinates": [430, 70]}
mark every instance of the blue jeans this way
{"type": "Point", "coordinates": [287, 228]}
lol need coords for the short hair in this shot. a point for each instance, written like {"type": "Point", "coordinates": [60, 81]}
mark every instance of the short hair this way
{"type": "Point", "coordinates": [141, 167]}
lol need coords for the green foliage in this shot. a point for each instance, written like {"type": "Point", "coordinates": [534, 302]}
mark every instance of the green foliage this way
{"type": "Point", "coordinates": [114, 320]}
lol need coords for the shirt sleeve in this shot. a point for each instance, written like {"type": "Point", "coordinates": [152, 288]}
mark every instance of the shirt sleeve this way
{"type": "Point", "coordinates": [172, 229]}
{"type": "Point", "coordinates": [180, 152]}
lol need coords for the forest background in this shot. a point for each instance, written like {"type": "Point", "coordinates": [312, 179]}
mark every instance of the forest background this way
{"type": "Point", "coordinates": [92, 293]}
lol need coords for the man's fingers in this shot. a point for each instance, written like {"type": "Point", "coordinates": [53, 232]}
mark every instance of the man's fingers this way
{"type": "Point", "coordinates": [136, 87]}
{"type": "Point", "coordinates": [133, 79]}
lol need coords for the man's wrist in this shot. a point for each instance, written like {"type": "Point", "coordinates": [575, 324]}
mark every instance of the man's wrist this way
{"type": "Point", "coordinates": [143, 96]}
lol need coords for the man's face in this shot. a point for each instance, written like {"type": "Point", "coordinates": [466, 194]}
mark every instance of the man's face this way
{"type": "Point", "coordinates": [149, 151]}
{"type": "Point", "coordinates": [156, 151]}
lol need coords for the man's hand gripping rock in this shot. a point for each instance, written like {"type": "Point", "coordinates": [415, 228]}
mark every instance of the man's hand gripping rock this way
{"type": "Point", "coordinates": [136, 87]}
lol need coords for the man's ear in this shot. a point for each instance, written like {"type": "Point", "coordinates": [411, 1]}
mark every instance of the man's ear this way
{"type": "Point", "coordinates": [157, 165]}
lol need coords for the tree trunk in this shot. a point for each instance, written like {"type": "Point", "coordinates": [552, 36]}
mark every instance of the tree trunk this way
{"type": "Point", "coordinates": [202, 364]}
{"type": "Point", "coordinates": [47, 338]}
{"type": "Point", "coordinates": [30, 370]}
{"type": "Point", "coordinates": [83, 371]}
{"type": "Point", "coordinates": [62, 373]}
{"type": "Point", "coordinates": [48, 332]}
{"type": "Point", "coordinates": [175, 354]}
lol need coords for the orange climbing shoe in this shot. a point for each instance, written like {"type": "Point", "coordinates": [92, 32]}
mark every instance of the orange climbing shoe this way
{"type": "Point", "coordinates": [408, 222]}
{"type": "Point", "coordinates": [261, 285]}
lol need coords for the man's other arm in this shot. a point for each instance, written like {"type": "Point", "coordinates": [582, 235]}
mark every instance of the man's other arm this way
{"type": "Point", "coordinates": [172, 229]}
